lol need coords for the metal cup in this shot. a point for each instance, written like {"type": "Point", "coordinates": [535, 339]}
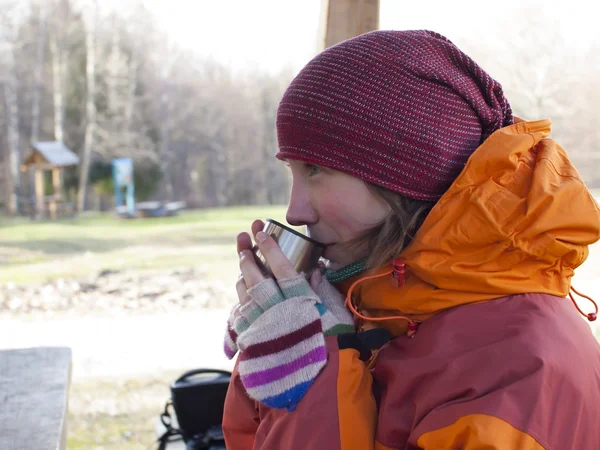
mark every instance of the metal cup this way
{"type": "Point", "coordinates": [302, 251]}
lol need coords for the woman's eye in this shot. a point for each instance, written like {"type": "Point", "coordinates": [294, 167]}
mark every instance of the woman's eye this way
{"type": "Point", "coordinates": [312, 169]}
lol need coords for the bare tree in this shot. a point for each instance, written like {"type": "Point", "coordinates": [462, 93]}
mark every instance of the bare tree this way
{"type": "Point", "coordinates": [132, 83]}
{"type": "Point", "coordinates": [90, 43]}
{"type": "Point", "coordinates": [133, 93]}
{"type": "Point", "coordinates": [56, 41]}
{"type": "Point", "coordinates": [544, 77]}
{"type": "Point", "coordinates": [171, 55]}
{"type": "Point", "coordinates": [39, 68]}
{"type": "Point", "coordinates": [11, 104]}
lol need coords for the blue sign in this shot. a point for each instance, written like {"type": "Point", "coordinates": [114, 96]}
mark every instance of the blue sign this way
{"type": "Point", "coordinates": [123, 178]}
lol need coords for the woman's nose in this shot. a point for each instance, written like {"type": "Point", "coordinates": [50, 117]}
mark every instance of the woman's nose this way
{"type": "Point", "coordinates": [300, 210]}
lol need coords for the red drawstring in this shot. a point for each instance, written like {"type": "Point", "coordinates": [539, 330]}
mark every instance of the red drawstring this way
{"type": "Point", "coordinates": [398, 273]}
{"type": "Point", "coordinates": [590, 316]}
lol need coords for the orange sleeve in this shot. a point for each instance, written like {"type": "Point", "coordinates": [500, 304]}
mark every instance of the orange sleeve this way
{"type": "Point", "coordinates": [357, 409]}
{"type": "Point", "coordinates": [478, 431]}
{"type": "Point", "coordinates": [240, 416]}
{"type": "Point", "coordinates": [338, 412]}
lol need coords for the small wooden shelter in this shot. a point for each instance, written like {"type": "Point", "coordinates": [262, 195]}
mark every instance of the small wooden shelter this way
{"type": "Point", "coordinates": [49, 156]}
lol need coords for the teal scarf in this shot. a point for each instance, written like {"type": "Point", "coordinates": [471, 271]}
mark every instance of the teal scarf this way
{"type": "Point", "coordinates": [345, 273]}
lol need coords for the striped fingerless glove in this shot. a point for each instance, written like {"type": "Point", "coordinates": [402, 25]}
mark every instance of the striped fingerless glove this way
{"type": "Point", "coordinates": [281, 333]}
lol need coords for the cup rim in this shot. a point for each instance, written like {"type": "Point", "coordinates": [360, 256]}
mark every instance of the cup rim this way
{"type": "Point", "coordinates": [303, 236]}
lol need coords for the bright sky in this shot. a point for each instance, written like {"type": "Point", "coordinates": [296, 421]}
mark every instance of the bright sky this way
{"type": "Point", "coordinates": [274, 34]}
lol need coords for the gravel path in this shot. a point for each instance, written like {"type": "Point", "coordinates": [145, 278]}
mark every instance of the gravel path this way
{"type": "Point", "coordinates": [122, 323]}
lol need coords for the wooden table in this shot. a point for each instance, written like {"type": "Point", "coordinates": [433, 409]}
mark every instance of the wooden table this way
{"type": "Point", "coordinates": [34, 389]}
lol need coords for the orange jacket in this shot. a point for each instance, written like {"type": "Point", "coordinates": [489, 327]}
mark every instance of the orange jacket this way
{"type": "Point", "coordinates": [514, 367]}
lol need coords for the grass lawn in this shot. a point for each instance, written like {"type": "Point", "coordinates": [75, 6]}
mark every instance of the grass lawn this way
{"type": "Point", "coordinates": [115, 413]}
{"type": "Point", "coordinates": [37, 251]}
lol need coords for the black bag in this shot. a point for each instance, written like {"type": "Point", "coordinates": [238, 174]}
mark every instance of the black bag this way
{"type": "Point", "coordinates": [198, 398]}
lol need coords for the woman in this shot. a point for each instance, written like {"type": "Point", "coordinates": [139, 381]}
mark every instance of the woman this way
{"type": "Point", "coordinates": [452, 227]}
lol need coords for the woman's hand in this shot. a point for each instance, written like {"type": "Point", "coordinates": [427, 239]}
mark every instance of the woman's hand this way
{"type": "Point", "coordinates": [252, 278]}
{"type": "Point", "coordinates": [244, 249]}
{"type": "Point", "coordinates": [251, 274]}
{"type": "Point", "coordinates": [281, 320]}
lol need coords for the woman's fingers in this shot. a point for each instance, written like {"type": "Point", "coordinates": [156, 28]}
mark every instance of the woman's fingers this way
{"type": "Point", "coordinates": [281, 267]}
{"type": "Point", "coordinates": [257, 226]}
{"type": "Point", "coordinates": [250, 271]}
{"type": "Point", "coordinates": [251, 274]}
{"type": "Point", "coordinates": [244, 241]}
{"type": "Point", "coordinates": [315, 279]}
{"type": "Point", "coordinates": [242, 290]}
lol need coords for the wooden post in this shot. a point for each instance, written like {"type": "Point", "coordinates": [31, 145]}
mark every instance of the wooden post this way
{"type": "Point", "coordinates": [56, 183]}
{"type": "Point", "coordinates": [345, 19]}
{"type": "Point", "coordinates": [39, 193]}
{"type": "Point", "coordinates": [56, 192]}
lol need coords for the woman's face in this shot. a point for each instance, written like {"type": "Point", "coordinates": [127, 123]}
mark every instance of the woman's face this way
{"type": "Point", "coordinates": [335, 207]}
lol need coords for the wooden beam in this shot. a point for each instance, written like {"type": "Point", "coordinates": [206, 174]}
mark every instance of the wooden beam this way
{"type": "Point", "coordinates": [56, 192]}
{"type": "Point", "coordinates": [345, 19]}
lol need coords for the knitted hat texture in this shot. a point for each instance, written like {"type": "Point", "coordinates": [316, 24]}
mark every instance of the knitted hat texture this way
{"type": "Point", "coordinates": [400, 109]}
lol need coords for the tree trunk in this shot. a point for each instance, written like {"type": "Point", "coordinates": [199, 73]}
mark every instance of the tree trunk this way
{"type": "Point", "coordinates": [221, 177]}
{"type": "Point", "coordinates": [130, 105]}
{"type": "Point", "coordinates": [170, 55]}
{"type": "Point", "coordinates": [57, 87]}
{"type": "Point", "coordinates": [90, 43]}
{"type": "Point", "coordinates": [12, 131]}
{"type": "Point", "coordinates": [167, 185]}
{"type": "Point", "coordinates": [113, 72]}
{"type": "Point", "coordinates": [39, 68]}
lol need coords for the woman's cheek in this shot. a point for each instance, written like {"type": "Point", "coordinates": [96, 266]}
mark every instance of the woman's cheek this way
{"type": "Point", "coordinates": [338, 213]}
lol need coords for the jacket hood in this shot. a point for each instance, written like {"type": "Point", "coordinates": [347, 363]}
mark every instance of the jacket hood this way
{"type": "Point", "coordinates": [518, 219]}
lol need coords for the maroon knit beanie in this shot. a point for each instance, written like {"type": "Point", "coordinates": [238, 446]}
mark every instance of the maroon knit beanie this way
{"type": "Point", "coordinates": [400, 109]}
